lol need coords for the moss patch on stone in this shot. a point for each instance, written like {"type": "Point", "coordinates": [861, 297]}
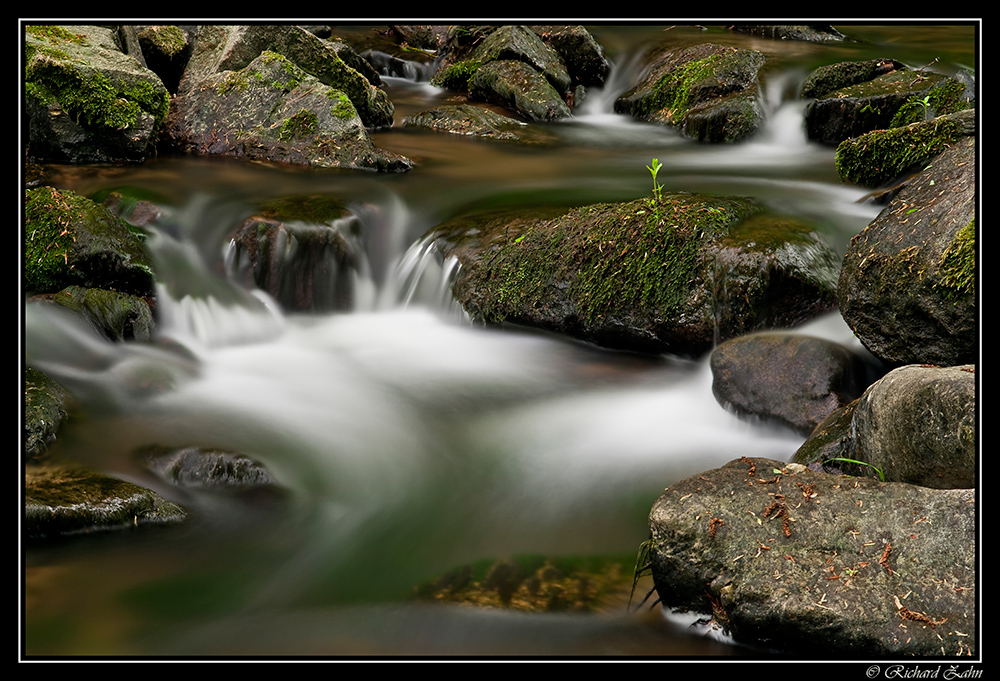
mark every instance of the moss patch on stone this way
{"type": "Point", "coordinates": [53, 74]}
{"type": "Point", "coordinates": [958, 264]}
{"type": "Point", "coordinates": [881, 155]}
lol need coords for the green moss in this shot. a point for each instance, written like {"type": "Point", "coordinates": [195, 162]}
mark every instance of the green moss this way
{"type": "Point", "coordinates": [302, 124]}
{"type": "Point", "coordinates": [958, 264]}
{"type": "Point", "coordinates": [55, 34]}
{"type": "Point", "coordinates": [457, 76]}
{"type": "Point", "coordinates": [672, 93]}
{"type": "Point", "coordinates": [170, 40]}
{"type": "Point", "coordinates": [48, 237]}
{"type": "Point", "coordinates": [51, 222]}
{"type": "Point", "coordinates": [342, 108]}
{"type": "Point", "coordinates": [881, 155]}
{"type": "Point", "coordinates": [233, 81]}
{"type": "Point", "coordinates": [616, 258]}
{"type": "Point", "coordinates": [93, 100]}
{"type": "Point", "coordinates": [312, 208]}
{"type": "Point", "coordinates": [945, 99]}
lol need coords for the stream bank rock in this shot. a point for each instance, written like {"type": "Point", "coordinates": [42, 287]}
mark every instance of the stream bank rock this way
{"type": "Point", "coordinates": [278, 93]}
{"type": "Point", "coordinates": [907, 287]}
{"type": "Point", "coordinates": [708, 92]}
{"type": "Point", "coordinates": [667, 276]}
{"type": "Point", "coordinates": [790, 379]}
{"type": "Point", "coordinates": [797, 561]}
{"type": "Point", "coordinates": [86, 99]}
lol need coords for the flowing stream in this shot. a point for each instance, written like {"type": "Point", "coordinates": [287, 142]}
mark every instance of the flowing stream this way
{"type": "Point", "coordinates": [412, 440]}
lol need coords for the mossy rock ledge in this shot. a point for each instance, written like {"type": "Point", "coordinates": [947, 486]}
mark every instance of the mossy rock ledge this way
{"type": "Point", "coordinates": [670, 276]}
{"type": "Point", "coordinates": [807, 563]}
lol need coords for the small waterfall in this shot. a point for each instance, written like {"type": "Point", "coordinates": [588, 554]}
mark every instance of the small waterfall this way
{"type": "Point", "coordinates": [424, 277]}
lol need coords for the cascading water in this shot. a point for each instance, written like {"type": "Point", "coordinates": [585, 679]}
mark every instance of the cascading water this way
{"type": "Point", "coordinates": [411, 439]}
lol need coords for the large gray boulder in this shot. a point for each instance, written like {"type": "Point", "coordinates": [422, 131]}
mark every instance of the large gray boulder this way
{"type": "Point", "coordinates": [807, 563]}
{"type": "Point", "coordinates": [790, 379]}
{"type": "Point", "coordinates": [278, 93]}
{"type": "Point", "coordinates": [272, 110]}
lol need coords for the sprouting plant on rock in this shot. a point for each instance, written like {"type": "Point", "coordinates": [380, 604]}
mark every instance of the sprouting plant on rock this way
{"type": "Point", "coordinates": [657, 187]}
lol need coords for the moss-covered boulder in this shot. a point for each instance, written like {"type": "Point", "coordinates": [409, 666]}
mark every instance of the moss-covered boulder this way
{"type": "Point", "coordinates": [537, 72]}
{"type": "Point", "coordinates": [86, 101]}
{"type": "Point", "coordinates": [219, 49]}
{"type": "Point", "coordinates": [113, 315]}
{"type": "Point", "coordinates": [850, 99]}
{"type": "Point", "coordinates": [669, 275]}
{"type": "Point", "coordinates": [881, 156]}
{"type": "Point", "coordinates": [166, 49]}
{"type": "Point", "coordinates": [518, 87]}
{"type": "Point", "coordinates": [272, 110]}
{"type": "Point", "coordinates": [798, 561]}
{"type": "Point", "coordinates": [708, 92]}
{"type": "Point", "coordinates": [71, 240]}
{"type": "Point", "coordinates": [908, 283]}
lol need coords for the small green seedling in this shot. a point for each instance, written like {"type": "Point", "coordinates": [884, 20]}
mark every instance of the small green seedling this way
{"type": "Point", "coordinates": [878, 470]}
{"type": "Point", "coordinates": [653, 170]}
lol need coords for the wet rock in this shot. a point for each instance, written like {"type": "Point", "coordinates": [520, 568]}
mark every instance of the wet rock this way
{"type": "Point", "coordinates": [915, 425]}
{"type": "Point", "coordinates": [113, 315]}
{"type": "Point", "coordinates": [72, 500]}
{"type": "Point", "coordinates": [582, 54]}
{"type": "Point", "coordinates": [537, 72]}
{"type": "Point", "coordinates": [797, 561]}
{"type": "Point", "coordinates": [166, 49]}
{"type": "Point", "coordinates": [71, 240]}
{"type": "Point", "coordinates": [272, 110]}
{"type": "Point", "coordinates": [474, 121]}
{"type": "Point", "coordinates": [853, 98]}
{"type": "Point", "coordinates": [819, 33]}
{"type": "Point", "coordinates": [644, 275]}
{"type": "Point", "coordinates": [708, 92]}
{"type": "Point", "coordinates": [907, 285]}
{"type": "Point", "coordinates": [918, 425]}
{"type": "Point", "coordinates": [45, 408]}
{"type": "Point", "coordinates": [86, 101]}
{"type": "Point", "coordinates": [197, 469]}
{"type": "Point", "coordinates": [518, 87]}
{"type": "Point", "coordinates": [881, 156]}
{"type": "Point", "coordinates": [794, 380]}
{"type": "Point", "coordinates": [302, 265]}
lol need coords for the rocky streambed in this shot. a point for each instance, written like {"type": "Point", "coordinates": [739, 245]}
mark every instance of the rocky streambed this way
{"type": "Point", "coordinates": [864, 543]}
